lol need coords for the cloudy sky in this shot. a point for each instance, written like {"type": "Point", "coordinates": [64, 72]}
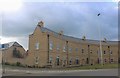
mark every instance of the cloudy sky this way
{"type": "Point", "coordinates": [74, 18]}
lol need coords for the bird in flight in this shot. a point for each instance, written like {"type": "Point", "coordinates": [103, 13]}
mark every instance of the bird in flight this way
{"type": "Point", "coordinates": [98, 14]}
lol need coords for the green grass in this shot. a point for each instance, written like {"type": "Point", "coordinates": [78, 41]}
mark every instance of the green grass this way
{"type": "Point", "coordinates": [97, 66]}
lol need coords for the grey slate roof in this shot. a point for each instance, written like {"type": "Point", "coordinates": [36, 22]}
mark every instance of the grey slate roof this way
{"type": "Point", "coordinates": [8, 45]}
{"type": "Point", "coordinates": [70, 38]}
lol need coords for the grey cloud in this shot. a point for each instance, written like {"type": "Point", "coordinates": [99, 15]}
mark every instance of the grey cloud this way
{"type": "Point", "coordinates": [75, 19]}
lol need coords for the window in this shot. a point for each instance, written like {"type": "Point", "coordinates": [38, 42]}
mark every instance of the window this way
{"type": "Point", "coordinates": [76, 49]}
{"type": "Point", "coordinates": [111, 60]}
{"type": "Point", "coordinates": [104, 52]}
{"type": "Point", "coordinates": [91, 51]}
{"type": "Point", "coordinates": [57, 60]}
{"type": "Point", "coordinates": [58, 47]}
{"type": "Point", "coordinates": [64, 48]}
{"type": "Point", "coordinates": [70, 49]}
{"type": "Point", "coordinates": [70, 61]}
{"type": "Point", "coordinates": [77, 60]}
{"type": "Point", "coordinates": [111, 52]}
{"type": "Point", "coordinates": [36, 60]}
{"type": "Point", "coordinates": [82, 50]}
{"type": "Point", "coordinates": [50, 59]}
{"type": "Point", "coordinates": [105, 60]}
{"type": "Point", "coordinates": [37, 45]}
{"type": "Point", "coordinates": [51, 45]}
{"type": "Point", "coordinates": [98, 52]}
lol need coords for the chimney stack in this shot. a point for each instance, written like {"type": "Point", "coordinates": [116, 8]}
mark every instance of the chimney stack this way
{"type": "Point", "coordinates": [61, 32]}
{"type": "Point", "coordinates": [83, 38]}
{"type": "Point", "coordinates": [41, 24]}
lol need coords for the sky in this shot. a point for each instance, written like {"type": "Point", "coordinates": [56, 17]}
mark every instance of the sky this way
{"type": "Point", "coordinates": [74, 18]}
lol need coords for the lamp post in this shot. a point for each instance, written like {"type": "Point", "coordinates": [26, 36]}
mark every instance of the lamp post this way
{"type": "Point", "coordinates": [101, 55]}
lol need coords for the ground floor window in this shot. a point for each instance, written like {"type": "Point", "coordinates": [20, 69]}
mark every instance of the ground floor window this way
{"type": "Point", "coordinates": [36, 60]}
{"type": "Point", "coordinates": [70, 62]}
{"type": "Point", "coordinates": [50, 60]}
{"type": "Point", "coordinates": [119, 60]}
{"type": "Point", "coordinates": [64, 63]}
{"type": "Point", "coordinates": [87, 60]}
{"type": "Point", "coordinates": [57, 60]}
{"type": "Point", "coordinates": [111, 60]}
{"type": "Point", "coordinates": [105, 60]}
{"type": "Point", "coordinates": [98, 61]}
{"type": "Point", "coordinates": [77, 61]}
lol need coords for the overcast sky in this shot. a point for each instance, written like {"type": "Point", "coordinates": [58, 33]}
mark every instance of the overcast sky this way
{"type": "Point", "coordinates": [74, 18]}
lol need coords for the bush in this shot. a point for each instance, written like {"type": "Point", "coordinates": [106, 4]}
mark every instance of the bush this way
{"type": "Point", "coordinates": [6, 63]}
{"type": "Point", "coordinates": [18, 64]}
{"type": "Point", "coordinates": [13, 64]}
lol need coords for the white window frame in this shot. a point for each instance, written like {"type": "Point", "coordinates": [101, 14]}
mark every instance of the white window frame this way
{"type": "Point", "coordinates": [111, 52]}
{"type": "Point", "coordinates": [58, 47]}
{"type": "Point", "coordinates": [70, 49]}
{"type": "Point", "coordinates": [51, 45]}
{"type": "Point", "coordinates": [64, 48]}
{"type": "Point", "coordinates": [37, 46]}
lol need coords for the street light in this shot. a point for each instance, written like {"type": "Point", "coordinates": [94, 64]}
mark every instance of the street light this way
{"type": "Point", "coordinates": [101, 57]}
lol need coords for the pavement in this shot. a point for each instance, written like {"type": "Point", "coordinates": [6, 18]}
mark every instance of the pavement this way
{"type": "Point", "coordinates": [34, 72]}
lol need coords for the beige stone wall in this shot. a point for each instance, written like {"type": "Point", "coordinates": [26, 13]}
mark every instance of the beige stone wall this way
{"type": "Point", "coordinates": [85, 55]}
{"type": "Point", "coordinates": [7, 55]}
{"type": "Point", "coordinates": [41, 53]}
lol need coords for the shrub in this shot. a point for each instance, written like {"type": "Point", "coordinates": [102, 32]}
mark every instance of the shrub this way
{"type": "Point", "coordinates": [6, 63]}
{"type": "Point", "coordinates": [13, 64]}
{"type": "Point", "coordinates": [18, 64]}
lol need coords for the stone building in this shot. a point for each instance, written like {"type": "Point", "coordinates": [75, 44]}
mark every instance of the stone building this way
{"type": "Point", "coordinates": [12, 53]}
{"type": "Point", "coordinates": [49, 48]}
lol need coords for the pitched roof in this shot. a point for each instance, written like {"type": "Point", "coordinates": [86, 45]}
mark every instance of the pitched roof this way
{"type": "Point", "coordinates": [8, 45]}
{"type": "Point", "coordinates": [78, 40]}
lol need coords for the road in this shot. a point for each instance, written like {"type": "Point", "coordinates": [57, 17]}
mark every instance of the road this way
{"type": "Point", "coordinates": [32, 72]}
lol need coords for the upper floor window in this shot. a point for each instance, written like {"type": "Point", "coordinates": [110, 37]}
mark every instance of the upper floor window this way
{"type": "Point", "coordinates": [104, 52]}
{"type": "Point", "coordinates": [58, 47]}
{"type": "Point", "coordinates": [37, 45]}
{"type": "Point", "coordinates": [64, 48]}
{"type": "Point", "coordinates": [70, 49]}
{"type": "Point", "coordinates": [82, 50]}
{"type": "Point", "coordinates": [51, 45]}
{"type": "Point", "coordinates": [76, 49]}
{"type": "Point", "coordinates": [91, 51]}
{"type": "Point", "coordinates": [98, 52]}
{"type": "Point", "coordinates": [111, 52]}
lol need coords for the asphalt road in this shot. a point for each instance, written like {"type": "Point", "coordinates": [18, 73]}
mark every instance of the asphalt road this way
{"type": "Point", "coordinates": [32, 72]}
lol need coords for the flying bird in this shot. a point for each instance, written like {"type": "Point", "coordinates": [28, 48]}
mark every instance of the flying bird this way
{"type": "Point", "coordinates": [98, 14]}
